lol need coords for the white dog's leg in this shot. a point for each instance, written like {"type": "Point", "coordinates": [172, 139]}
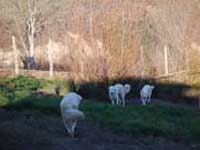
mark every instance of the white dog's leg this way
{"type": "Point", "coordinates": [67, 127]}
{"type": "Point", "coordinates": [113, 101]}
{"type": "Point", "coordinates": [117, 99]}
{"type": "Point", "coordinates": [149, 99]}
{"type": "Point", "coordinates": [143, 99]}
{"type": "Point", "coordinates": [70, 128]}
{"type": "Point", "coordinates": [73, 128]}
{"type": "Point", "coordinates": [123, 100]}
{"type": "Point", "coordinates": [146, 100]}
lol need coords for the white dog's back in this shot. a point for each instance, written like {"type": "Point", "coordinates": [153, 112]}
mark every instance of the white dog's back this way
{"type": "Point", "coordinates": [145, 93]}
{"type": "Point", "coordinates": [118, 92]}
{"type": "Point", "coordinates": [71, 100]}
{"type": "Point", "coordinates": [146, 90]}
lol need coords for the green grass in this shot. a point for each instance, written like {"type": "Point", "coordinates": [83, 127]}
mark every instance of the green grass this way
{"type": "Point", "coordinates": [43, 104]}
{"type": "Point", "coordinates": [152, 120]}
{"type": "Point", "coordinates": [135, 120]}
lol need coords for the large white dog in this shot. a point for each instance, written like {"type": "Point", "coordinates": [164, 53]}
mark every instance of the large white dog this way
{"type": "Point", "coordinates": [117, 93]}
{"type": "Point", "coordinates": [145, 94]}
{"type": "Point", "coordinates": [70, 111]}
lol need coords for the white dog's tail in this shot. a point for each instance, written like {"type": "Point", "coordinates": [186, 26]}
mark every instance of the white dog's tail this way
{"type": "Point", "coordinates": [127, 88]}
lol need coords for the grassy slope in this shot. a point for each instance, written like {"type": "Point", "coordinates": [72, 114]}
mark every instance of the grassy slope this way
{"type": "Point", "coordinates": [135, 120]}
{"type": "Point", "coordinates": [179, 123]}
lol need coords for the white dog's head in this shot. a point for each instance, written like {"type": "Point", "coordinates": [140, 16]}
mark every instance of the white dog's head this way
{"type": "Point", "coordinates": [111, 91]}
{"type": "Point", "coordinates": [127, 88]}
{"type": "Point", "coordinates": [152, 87]}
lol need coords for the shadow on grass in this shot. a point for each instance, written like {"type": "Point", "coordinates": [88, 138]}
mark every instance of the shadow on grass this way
{"type": "Point", "coordinates": [169, 91]}
{"type": "Point", "coordinates": [165, 91]}
{"type": "Point", "coordinates": [47, 103]}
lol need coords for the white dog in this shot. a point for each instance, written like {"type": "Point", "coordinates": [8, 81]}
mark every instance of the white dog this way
{"type": "Point", "coordinates": [117, 93]}
{"type": "Point", "coordinates": [70, 111]}
{"type": "Point", "coordinates": [145, 94]}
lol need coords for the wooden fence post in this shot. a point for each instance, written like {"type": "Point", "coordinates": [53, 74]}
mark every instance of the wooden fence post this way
{"type": "Point", "coordinates": [50, 59]}
{"type": "Point", "coordinates": [166, 60]}
{"type": "Point", "coordinates": [16, 64]}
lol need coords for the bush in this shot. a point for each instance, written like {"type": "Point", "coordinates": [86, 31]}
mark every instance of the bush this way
{"type": "Point", "coordinates": [4, 101]}
{"type": "Point", "coordinates": [26, 83]}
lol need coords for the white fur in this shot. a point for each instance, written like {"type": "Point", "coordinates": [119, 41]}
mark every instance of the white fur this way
{"type": "Point", "coordinates": [112, 94]}
{"type": "Point", "coordinates": [71, 100]}
{"type": "Point", "coordinates": [145, 94]}
{"type": "Point", "coordinates": [70, 111]}
{"type": "Point", "coordinates": [117, 93]}
{"type": "Point", "coordinates": [70, 117]}
{"type": "Point", "coordinates": [127, 88]}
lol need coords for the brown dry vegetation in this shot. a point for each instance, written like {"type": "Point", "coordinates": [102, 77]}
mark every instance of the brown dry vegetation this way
{"type": "Point", "coordinates": [106, 39]}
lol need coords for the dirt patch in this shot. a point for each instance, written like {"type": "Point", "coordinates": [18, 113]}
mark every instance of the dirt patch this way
{"type": "Point", "coordinates": [28, 130]}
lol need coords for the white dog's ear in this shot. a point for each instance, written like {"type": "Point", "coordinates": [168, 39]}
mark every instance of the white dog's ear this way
{"type": "Point", "coordinates": [152, 87]}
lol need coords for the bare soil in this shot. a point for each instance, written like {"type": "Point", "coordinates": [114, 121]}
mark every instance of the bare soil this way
{"type": "Point", "coordinates": [27, 130]}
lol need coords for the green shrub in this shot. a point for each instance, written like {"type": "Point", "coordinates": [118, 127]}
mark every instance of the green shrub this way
{"type": "Point", "coordinates": [41, 103]}
{"type": "Point", "coordinates": [4, 101]}
{"type": "Point", "coordinates": [28, 83]}
{"type": "Point", "coordinates": [6, 85]}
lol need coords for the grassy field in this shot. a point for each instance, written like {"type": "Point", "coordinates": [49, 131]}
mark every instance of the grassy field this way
{"type": "Point", "coordinates": [134, 120]}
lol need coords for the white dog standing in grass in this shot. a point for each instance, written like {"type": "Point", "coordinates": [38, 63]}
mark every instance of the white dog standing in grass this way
{"type": "Point", "coordinates": [145, 94]}
{"type": "Point", "coordinates": [70, 111]}
{"type": "Point", "coordinates": [117, 93]}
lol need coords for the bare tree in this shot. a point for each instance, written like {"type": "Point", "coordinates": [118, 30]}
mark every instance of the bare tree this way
{"type": "Point", "coordinates": [169, 21]}
{"type": "Point", "coordinates": [29, 17]}
{"type": "Point", "coordinates": [131, 35]}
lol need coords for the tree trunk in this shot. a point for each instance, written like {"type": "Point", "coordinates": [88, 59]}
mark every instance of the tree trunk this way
{"type": "Point", "coordinates": [31, 36]}
{"type": "Point", "coordinates": [50, 59]}
{"type": "Point", "coordinates": [16, 64]}
{"type": "Point", "coordinates": [31, 59]}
